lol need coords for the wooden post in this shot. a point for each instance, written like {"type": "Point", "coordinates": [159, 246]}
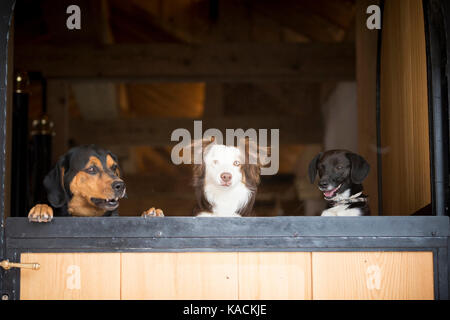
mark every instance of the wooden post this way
{"type": "Point", "coordinates": [213, 105]}
{"type": "Point", "coordinates": [307, 191]}
{"type": "Point", "coordinates": [8, 136]}
{"type": "Point", "coordinates": [366, 75]}
{"type": "Point", "coordinates": [58, 112]}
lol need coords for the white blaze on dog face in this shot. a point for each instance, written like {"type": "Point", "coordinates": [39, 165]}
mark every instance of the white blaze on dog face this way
{"type": "Point", "coordinates": [223, 165]}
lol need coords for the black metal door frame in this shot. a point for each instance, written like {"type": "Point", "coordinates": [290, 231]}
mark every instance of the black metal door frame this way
{"type": "Point", "coordinates": [6, 13]}
{"type": "Point", "coordinates": [437, 32]}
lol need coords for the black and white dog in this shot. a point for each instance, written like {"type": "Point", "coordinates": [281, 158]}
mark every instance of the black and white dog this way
{"type": "Point", "coordinates": [341, 174]}
{"type": "Point", "coordinates": [225, 183]}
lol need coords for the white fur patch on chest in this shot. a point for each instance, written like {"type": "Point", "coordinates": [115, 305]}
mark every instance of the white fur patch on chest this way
{"type": "Point", "coordinates": [341, 210]}
{"type": "Point", "coordinates": [226, 201]}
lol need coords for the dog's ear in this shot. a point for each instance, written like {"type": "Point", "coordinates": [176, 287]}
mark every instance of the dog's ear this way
{"type": "Point", "coordinates": [360, 167]}
{"type": "Point", "coordinates": [254, 153]}
{"type": "Point", "coordinates": [312, 169]}
{"type": "Point", "coordinates": [54, 182]}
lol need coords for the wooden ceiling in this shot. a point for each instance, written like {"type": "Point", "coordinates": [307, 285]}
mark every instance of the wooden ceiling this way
{"type": "Point", "coordinates": [187, 21]}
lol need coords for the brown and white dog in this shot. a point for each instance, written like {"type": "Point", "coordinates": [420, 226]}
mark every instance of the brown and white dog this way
{"type": "Point", "coordinates": [341, 174]}
{"type": "Point", "coordinates": [226, 182]}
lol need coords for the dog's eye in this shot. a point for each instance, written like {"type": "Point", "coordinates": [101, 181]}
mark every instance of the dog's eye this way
{"type": "Point", "coordinates": [236, 163]}
{"type": "Point", "coordinates": [92, 170]}
{"type": "Point", "coordinates": [339, 167]}
{"type": "Point", "coordinates": [114, 168]}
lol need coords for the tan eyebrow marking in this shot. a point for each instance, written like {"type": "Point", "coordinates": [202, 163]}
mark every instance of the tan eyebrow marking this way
{"type": "Point", "coordinates": [94, 161]}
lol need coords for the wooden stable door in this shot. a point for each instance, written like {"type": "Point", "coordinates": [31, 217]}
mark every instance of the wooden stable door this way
{"type": "Point", "coordinates": [188, 275]}
{"type": "Point", "coordinates": [373, 275]}
{"type": "Point", "coordinates": [229, 275]}
{"type": "Point", "coordinates": [226, 275]}
{"type": "Point", "coordinates": [274, 275]}
{"type": "Point", "coordinates": [71, 276]}
{"type": "Point", "coordinates": [179, 276]}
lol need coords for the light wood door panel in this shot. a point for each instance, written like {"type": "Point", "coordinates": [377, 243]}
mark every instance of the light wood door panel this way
{"type": "Point", "coordinates": [404, 120]}
{"type": "Point", "coordinates": [187, 275]}
{"type": "Point", "coordinates": [274, 275]}
{"type": "Point", "coordinates": [372, 275]}
{"type": "Point", "coordinates": [71, 276]}
{"type": "Point", "coordinates": [229, 275]}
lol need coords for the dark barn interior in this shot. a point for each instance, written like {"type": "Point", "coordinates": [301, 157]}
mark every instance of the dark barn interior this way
{"type": "Point", "coordinates": [137, 70]}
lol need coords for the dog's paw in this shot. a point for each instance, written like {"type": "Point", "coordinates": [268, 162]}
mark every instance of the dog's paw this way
{"type": "Point", "coordinates": [152, 212]}
{"type": "Point", "coordinates": [40, 213]}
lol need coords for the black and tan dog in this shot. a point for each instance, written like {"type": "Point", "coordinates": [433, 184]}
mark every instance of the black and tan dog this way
{"type": "Point", "coordinates": [86, 182]}
{"type": "Point", "coordinates": [341, 174]}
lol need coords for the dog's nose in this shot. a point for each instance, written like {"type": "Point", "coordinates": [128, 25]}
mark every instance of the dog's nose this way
{"type": "Point", "coordinates": [118, 186]}
{"type": "Point", "coordinates": [226, 176]}
{"type": "Point", "coordinates": [323, 184]}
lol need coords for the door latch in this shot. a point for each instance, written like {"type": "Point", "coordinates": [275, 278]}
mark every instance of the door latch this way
{"type": "Point", "coordinates": [5, 264]}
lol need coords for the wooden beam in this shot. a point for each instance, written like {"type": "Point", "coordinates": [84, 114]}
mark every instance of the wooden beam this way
{"type": "Point", "coordinates": [300, 130]}
{"type": "Point", "coordinates": [54, 17]}
{"type": "Point", "coordinates": [123, 98]}
{"type": "Point", "coordinates": [292, 14]}
{"type": "Point", "coordinates": [132, 23]}
{"type": "Point", "coordinates": [271, 99]}
{"type": "Point", "coordinates": [177, 62]}
{"type": "Point", "coordinates": [176, 18]}
{"type": "Point", "coordinates": [366, 51]}
{"type": "Point", "coordinates": [339, 13]}
{"type": "Point", "coordinates": [99, 100]}
{"type": "Point", "coordinates": [307, 192]}
{"type": "Point", "coordinates": [96, 100]}
{"type": "Point", "coordinates": [214, 100]}
{"type": "Point", "coordinates": [58, 111]}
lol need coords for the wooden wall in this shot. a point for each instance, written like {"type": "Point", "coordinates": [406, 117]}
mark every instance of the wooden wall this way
{"type": "Point", "coordinates": [366, 77]}
{"type": "Point", "coordinates": [404, 109]}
